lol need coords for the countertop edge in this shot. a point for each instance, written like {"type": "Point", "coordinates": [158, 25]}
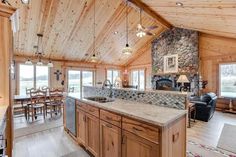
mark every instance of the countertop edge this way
{"type": "Point", "coordinates": [131, 115]}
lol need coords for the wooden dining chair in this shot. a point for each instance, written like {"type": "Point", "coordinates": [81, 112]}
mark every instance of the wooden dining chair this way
{"type": "Point", "coordinates": [71, 90]}
{"type": "Point", "coordinates": [56, 102]}
{"type": "Point", "coordinates": [38, 99]}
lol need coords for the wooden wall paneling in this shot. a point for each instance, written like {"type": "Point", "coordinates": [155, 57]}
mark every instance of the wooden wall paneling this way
{"type": "Point", "coordinates": [213, 51]}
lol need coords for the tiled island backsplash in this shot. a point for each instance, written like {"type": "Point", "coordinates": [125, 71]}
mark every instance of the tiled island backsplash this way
{"type": "Point", "coordinates": [161, 98]}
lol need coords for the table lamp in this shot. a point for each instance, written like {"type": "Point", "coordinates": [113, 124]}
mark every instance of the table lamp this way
{"type": "Point", "coordinates": [182, 79]}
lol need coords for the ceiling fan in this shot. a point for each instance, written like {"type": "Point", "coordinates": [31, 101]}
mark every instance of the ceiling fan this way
{"type": "Point", "coordinates": [141, 30]}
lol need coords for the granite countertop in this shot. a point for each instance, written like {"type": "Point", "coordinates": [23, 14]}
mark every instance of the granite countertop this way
{"type": "Point", "coordinates": [148, 90]}
{"type": "Point", "coordinates": [161, 116]}
{"type": "Point", "coordinates": [3, 110]}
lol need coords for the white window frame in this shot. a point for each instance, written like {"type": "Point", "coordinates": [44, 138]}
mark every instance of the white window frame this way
{"type": "Point", "coordinates": [131, 77]}
{"type": "Point", "coordinates": [34, 75]}
{"type": "Point", "coordinates": [119, 74]}
{"type": "Point", "coordinates": [219, 83]}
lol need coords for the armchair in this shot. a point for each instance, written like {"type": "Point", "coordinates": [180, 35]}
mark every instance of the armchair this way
{"type": "Point", "coordinates": [205, 106]}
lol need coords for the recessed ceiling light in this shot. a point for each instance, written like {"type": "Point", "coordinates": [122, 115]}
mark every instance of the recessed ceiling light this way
{"type": "Point", "coordinates": [116, 32]}
{"type": "Point", "coordinates": [179, 4]}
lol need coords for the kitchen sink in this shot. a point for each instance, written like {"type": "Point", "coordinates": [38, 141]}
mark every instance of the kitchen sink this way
{"type": "Point", "coordinates": [100, 99]}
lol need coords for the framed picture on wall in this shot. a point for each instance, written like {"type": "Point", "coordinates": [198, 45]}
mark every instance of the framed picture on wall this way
{"type": "Point", "coordinates": [171, 63]}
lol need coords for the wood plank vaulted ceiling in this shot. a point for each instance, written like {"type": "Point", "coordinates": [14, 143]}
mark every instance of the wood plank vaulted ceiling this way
{"type": "Point", "coordinates": [67, 25]}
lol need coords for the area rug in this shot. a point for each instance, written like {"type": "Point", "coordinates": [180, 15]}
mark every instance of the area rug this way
{"type": "Point", "coordinates": [37, 128]}
{"type": "Point", "coordinates": [227, 139]}
{"type": "Point", "coordinates": [200, 150]}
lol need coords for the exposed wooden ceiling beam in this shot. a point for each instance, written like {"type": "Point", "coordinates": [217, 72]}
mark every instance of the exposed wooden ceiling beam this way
{"type": "Point", "coordinates": [152, 13]}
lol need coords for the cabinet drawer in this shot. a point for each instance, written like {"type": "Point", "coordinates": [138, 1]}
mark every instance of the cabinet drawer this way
{"type": "Point", "coordinates": [141, 129]}
{"type": "Point", "coordinates": [92, 110]}
{"type": "Point", "coordinates": [82, 106]}
{"type": "Point", "coordinates": [110, 118]}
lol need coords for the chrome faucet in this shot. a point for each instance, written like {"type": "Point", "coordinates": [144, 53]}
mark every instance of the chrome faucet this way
{"type": "Point", "coordinates": [105, 83]}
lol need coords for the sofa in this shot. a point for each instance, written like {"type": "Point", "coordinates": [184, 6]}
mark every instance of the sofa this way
{"type": "Point", "coordinates": [205, 106]}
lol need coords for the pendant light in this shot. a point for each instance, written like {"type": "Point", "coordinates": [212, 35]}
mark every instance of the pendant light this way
{"type": "Point", "coordinates": [94, 57]}
{"type": "Point", "coordinates": [50, 64]}
{"type": "Point", "coordinates": [127, 50]}
{"type": "Point", "coordinates": [28, 62]}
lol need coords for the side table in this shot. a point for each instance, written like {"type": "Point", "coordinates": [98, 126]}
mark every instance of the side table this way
{"type": "Point", "coordinates": [191, 108]}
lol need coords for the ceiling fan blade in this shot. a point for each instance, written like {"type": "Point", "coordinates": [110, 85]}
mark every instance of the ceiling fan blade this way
{"type": "Point", "coordinates": [152, 27]}
{"type": "Point", "coordinates": [150, 34]}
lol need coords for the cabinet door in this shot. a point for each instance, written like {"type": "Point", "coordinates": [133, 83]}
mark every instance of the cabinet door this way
{"type": "Point", "coordinates": [110, 140]}
{"type": "Point", "coordinates": [133, 145]}
{"type": "Point", "coordinates": [92, 125]}
{"type": "Point", "coordinates": [81, 127]}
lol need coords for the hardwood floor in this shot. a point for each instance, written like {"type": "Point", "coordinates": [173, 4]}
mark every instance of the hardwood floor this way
{"type": "Point", "coordinates": [56, 143]}
{"type": "Point", "coordinates": [51, 143]}
{"type": "Point", "coordinates": [208, 133]}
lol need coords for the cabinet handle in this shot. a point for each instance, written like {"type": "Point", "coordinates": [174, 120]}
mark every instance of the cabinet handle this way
{"type": "Point", "coordinates": [108, 118]}
{"type": "Point", "coordinates": [108, 125]}
{"type": "Point", "coordinates": [175, 137]}
{"type": "Point", "coordinates": [137, 129]}
{"type": "Point", "coordinates": [84, 118]}
{"type": "Point", "coordinates": [91, 110]}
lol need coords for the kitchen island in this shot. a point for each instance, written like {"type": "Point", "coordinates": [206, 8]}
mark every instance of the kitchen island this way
{"type": "Point", "coordinates": [123, 128]}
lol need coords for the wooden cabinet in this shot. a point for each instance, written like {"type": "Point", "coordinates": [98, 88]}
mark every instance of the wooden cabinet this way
{"type": "Point", "coordinates": [105, 134]}
{"type": "Point", "coordinates": [110, 140]}
{"type": "Point", "coordinates": [6, 87]}
{"type": "Point", "coordinates": [92, 130]}
{"type": "Point", "coordinates": [133, 145]}
{"type": "Point", "coordinates": [81, 127]}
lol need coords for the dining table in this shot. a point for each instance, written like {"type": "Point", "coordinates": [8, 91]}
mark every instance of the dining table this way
{"type": "Point", "coordinates": [26, 99]}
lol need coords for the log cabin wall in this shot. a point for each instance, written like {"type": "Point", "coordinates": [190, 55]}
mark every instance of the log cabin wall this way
{"type": "Point", "coordinates": [64, 66]}
{"type": "Point", "coordinates": [213, 51]}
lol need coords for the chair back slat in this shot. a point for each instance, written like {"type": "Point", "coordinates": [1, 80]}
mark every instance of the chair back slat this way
{"type": "Point", "coordinates": [56, 95]}
{"type": "Point", "coordinates": [38, 97]}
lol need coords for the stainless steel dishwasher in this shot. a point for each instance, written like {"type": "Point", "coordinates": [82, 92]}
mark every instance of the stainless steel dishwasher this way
{"type": "Point", "coordinates": [71, 115]}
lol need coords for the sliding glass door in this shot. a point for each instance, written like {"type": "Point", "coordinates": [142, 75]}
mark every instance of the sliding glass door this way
{"type": "Point", "coordinates": [79, 78]}
{"type": "Point", "coordinates": [74, 80]}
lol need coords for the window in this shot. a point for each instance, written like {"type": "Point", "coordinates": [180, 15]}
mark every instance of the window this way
{"type": "Point", "coordinates": [112, 75]}
{"type": "Point", "coordinates": [32, 76]}
{"type": "Point", "coordinates": [87, 78]}
{"type": "Point", "coordinates": [227, 79]}
{"type": "Point", "coordinates": [80, 78]}
{"type": "Point", "coordinates": [26, 78]}
{"type": "Point", "coordinates": [42, 76]}
{"type": "Point", "coordinates": [138, 79]}
{"type": "Point", "coordinates": [74, 80]}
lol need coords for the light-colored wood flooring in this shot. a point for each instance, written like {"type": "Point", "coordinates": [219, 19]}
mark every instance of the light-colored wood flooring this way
{"type": "Point", "coordinates": [56, 143]}
{"type": "Point", "coordinates": [208, 133]}
{"type": "Point", "coordinates": [51, 143]}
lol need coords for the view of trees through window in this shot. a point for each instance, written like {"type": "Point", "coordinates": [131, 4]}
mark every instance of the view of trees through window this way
{"type": "Point", "coordinates": [32, 76]}
{"type": "Point", "coordinates": [228, 80]}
